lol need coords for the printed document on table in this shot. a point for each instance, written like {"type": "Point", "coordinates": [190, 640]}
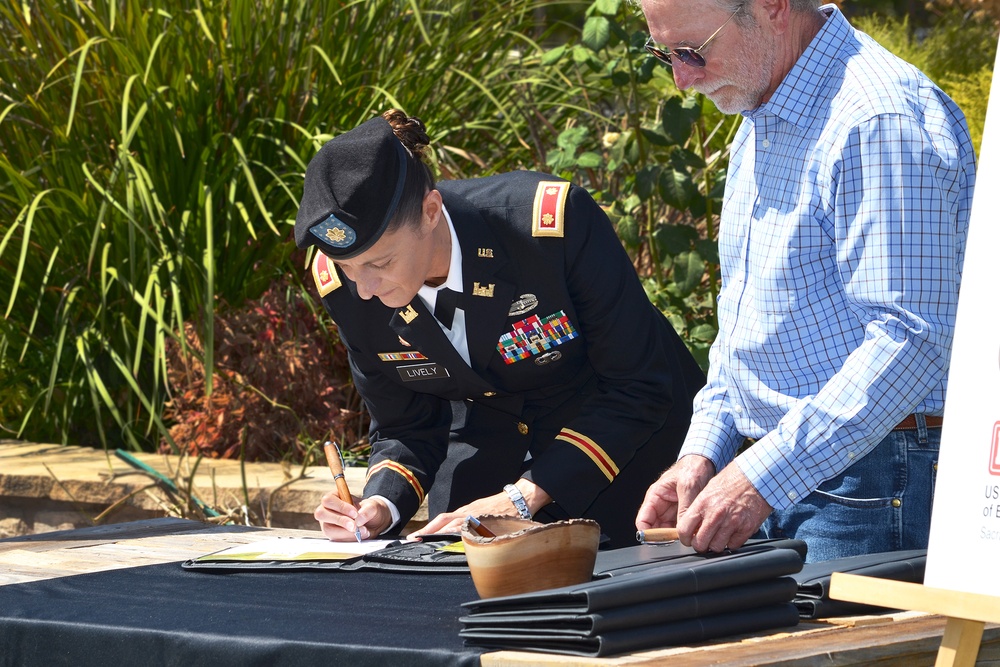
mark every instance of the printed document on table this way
{"type": "Point", "coordinates": [296, 549]}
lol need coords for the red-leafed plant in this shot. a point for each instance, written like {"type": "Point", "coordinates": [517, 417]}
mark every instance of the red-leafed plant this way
{"type": "Point", "coordinates": [281, 383]}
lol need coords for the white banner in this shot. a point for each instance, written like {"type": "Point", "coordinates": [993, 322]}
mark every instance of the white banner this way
{"type": "Point", "coordinates": [964, 550]}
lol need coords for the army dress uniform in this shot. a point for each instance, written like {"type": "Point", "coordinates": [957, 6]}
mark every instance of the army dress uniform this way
{"type": "Point", "coordinates": [575, 380]}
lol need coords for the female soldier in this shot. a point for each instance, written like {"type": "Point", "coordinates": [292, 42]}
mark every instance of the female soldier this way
{"type": "Point", "coordinates": [510, 359]}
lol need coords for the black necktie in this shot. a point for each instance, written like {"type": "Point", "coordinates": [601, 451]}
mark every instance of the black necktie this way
{"type": "Point", "coordinates": [444, 308]}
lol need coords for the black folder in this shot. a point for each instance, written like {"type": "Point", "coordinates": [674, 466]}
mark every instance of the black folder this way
{"type": "Point", "coordinates": [425, 557]}
{"type": "Point", "coordinates": [813, 596]}
{"type": "Point", "coordinates": [747, 596]}
{"type": "Point", "coordinates": [648, 556]}
{"type": "Point", "coordinates": [689, 631]}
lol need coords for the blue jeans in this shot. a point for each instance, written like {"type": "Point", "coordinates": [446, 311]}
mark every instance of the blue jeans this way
{"type": "Point", "coordinates": [881, 503]}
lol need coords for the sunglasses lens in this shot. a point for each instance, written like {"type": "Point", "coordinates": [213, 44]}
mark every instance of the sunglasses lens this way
{"type": "Point", "coordinates": [690, 57]}
{"type": "Point", "coordinates": [686, 55]}
{"type": "Point", "coordinates": [659, 54]}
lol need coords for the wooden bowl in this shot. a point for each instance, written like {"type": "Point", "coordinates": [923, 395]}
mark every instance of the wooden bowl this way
{"type": "Point", "coordinates": [529, 556]}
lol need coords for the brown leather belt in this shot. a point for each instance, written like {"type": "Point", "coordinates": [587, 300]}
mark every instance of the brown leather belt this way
{"type": "Point", "coordinates": [910, 423]}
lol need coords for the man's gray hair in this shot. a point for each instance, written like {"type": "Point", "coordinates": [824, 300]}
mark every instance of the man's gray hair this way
{"type": "Point", "coordinates": [743, 6]}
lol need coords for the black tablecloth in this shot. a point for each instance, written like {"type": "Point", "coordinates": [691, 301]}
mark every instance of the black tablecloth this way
{"type": "Point", "coordinates": [165, 615]}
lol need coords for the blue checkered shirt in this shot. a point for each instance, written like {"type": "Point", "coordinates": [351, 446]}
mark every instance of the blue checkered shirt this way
{"type": "Point", "coordinates": [841, 244]}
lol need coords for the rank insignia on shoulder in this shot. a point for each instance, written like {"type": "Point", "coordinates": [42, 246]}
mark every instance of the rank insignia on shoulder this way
{"type": "Point", "coordinates": [408, 314]}
{"type": "Point", "coordinates": [400, 356]}
{"type": "Point", "coordinates": [550, 208]}
{"type": "Point", "coordinates": [325, 274]}
{"type": "Point", "coordinates": [479, 290]}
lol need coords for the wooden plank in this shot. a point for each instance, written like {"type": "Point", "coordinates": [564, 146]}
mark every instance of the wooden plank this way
{"type": "Point", "coordinates": [904, 595]}
{"type": "Point", "coordinates": [903, 640]}
{"type": "Point", "coordinates": [115, 546]}
{"type": "Point", "coordinates": [960, 644]}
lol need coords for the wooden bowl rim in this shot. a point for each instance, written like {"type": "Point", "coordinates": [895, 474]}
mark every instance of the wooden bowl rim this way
{"type": "Point", "coordinates": [532, 528]}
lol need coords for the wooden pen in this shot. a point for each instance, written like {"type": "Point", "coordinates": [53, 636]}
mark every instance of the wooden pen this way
{"type": "Point", "coordinates": [656, 535]}
{"type": "Point", "coordinates": [336, 463]}
{"type": "Point", "coordinates": [478, 527]}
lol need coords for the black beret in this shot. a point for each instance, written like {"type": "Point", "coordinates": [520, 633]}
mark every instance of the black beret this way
{"type": "Point", "coordinates": [351, 191]}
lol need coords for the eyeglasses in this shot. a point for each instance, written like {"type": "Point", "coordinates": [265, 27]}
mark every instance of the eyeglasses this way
{"type": "Point", "coordinates": [687, 55]}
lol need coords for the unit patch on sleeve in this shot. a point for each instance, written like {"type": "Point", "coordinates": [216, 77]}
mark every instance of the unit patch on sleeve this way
{"type": "Point", "coordinates": [325, 274]}
{"type": "Point", "coordinates": [534, 335]}
{"type": "Point", "coordinates": [549, 209]}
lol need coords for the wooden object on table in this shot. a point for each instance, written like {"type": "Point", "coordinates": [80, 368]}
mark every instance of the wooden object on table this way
{"type": "Point", "coordinates": [651, 535]}
{"type": "Point", "coordinates": [525, 555]}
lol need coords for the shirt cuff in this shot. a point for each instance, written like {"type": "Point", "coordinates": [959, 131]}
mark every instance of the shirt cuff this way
{"type": "Point", "coordinates": [393, 512]}
{"type": "Point", "coordinates": [711, 442]}
{"type": "Point", "coordinates": [774, 474]}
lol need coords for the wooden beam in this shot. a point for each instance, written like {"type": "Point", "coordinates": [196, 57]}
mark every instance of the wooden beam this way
{"type": "Point", "coordinates": [960, 644]}
{"type": "Point", "coordinates": [915, 597]}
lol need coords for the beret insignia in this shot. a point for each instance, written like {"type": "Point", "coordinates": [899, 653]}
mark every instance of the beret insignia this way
{"type": "Point", "coordinates": [334, 231]}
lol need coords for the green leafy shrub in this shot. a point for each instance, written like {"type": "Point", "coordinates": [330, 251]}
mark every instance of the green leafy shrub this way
{"type": "Point", "coordinates": [653, 156]}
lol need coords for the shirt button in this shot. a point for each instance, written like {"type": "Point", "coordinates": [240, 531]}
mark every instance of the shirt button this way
{"type": "Point", "coordinates": [489, 394]}
{"type": "Point", "coordinates": [792, 495]}
{"type": "Point", "coordinates": [896, 502]}
{"type": "Point", "coordinates": [850, 455]}
{"type": "Point", "coordinates": [766, 143]}
{"type": "Point", "coordinates": [522, 428]}
{"type": "Point", "coordinates": [738, 409]}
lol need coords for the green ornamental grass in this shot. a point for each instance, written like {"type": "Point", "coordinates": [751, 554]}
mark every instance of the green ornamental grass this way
{"type": "Point", "coordinates": [152, 156]}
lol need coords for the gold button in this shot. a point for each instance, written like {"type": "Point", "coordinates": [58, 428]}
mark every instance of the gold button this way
{"type": "Point", "coordinates": [490, 394]}
{"type": "Point", "coordinates": [896, 502]}
{"type": "Point", "coordinates": [522, 428]}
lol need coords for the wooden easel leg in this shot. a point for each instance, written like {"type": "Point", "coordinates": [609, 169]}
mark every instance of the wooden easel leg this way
{"type": "Point", "coordinates": [960, 643]}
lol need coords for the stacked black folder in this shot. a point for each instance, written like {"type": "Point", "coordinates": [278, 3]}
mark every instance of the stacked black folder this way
{"type": "Point", "coordinates": [813, 599]}
{"type": "Point", "coordinates": [646, 597]}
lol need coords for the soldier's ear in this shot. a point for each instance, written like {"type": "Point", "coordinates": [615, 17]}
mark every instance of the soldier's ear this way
{"type": "Point", "coordinates": [433, 207]}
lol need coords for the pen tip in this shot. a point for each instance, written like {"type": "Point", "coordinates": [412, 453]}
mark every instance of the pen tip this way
{"type": "Point", "coordinates": [357, 534]}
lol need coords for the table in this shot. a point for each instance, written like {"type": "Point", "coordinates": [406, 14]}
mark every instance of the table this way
{"type": "Point", "coordinates": [132, 568]}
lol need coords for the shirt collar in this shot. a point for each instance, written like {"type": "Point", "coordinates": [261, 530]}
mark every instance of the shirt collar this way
{"type": "Point", "coordinates": [454, 280]}
{"type": "Point", "coordinates": [795, 97]}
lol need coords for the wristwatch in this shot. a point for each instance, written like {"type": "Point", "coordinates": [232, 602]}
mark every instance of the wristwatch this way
{"type": "Point", "coordinates": [518, 499]}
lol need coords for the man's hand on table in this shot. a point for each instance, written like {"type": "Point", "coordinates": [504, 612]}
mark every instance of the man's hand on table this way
{"type": "Point", "coordinates": [710, 513]}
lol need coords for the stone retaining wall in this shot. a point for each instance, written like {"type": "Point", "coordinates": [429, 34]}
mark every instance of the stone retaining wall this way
{"type": "Point", "coordinates": [53, 487]}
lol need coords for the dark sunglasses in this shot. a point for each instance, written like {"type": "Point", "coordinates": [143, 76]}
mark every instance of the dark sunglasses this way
{"type": "Point", "coordinates": [687, 55]}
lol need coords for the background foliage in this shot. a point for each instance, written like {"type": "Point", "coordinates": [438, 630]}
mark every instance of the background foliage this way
{"type": "Point", "coordinates": [151, 161]}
